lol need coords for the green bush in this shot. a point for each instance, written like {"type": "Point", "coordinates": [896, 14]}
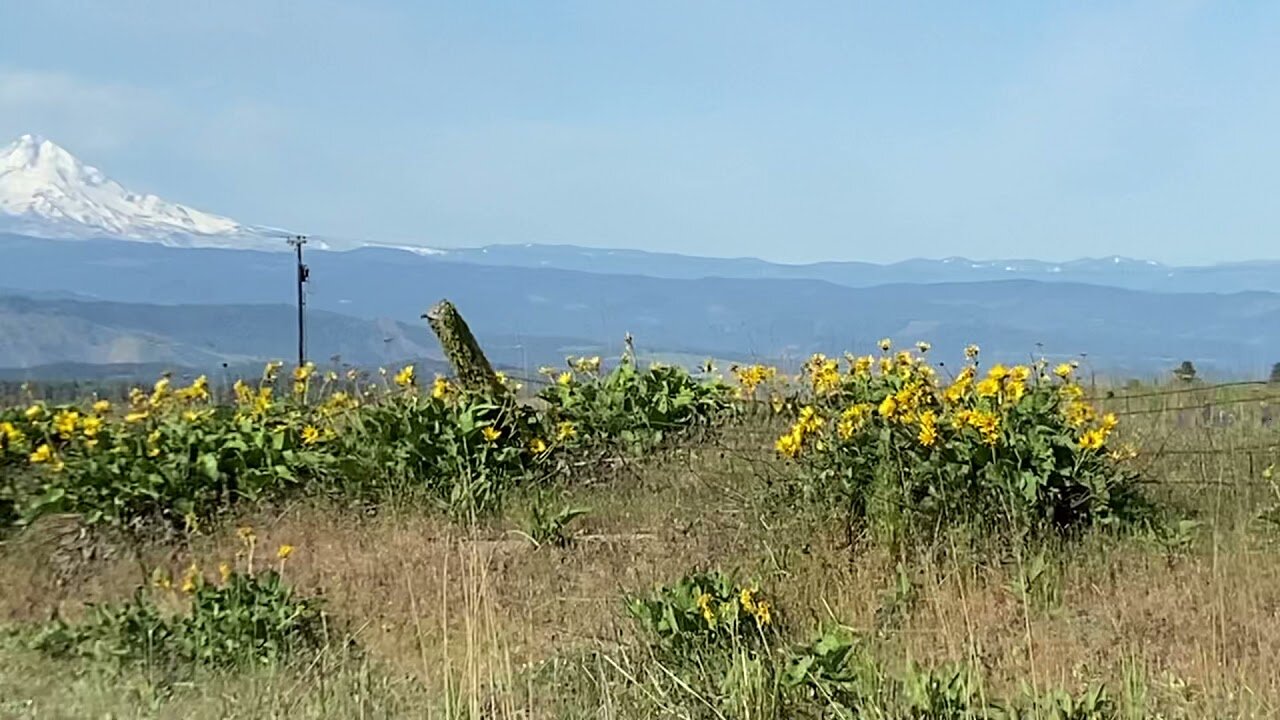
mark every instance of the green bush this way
{"type": "Point", "coordinates": [461, 450]}
{"type": "Point", "coordinates": [704, 610]}
{"type": "Point", "coordinates": [1012, 452]}
{"type": "Point", "coordinates": [246, 620]}
{"type": "Point", "coordinates": [630, 408]}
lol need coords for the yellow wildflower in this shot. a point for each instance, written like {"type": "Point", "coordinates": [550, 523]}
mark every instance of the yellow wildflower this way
{"type": "Point", "coordinates": [824, 374]}
{"type": "Point", "coordinates": [244, 394]}
{"type": "Point", "coordinates": [851, 419]}
{"type": "Point", "coordinates": [302, 373]}
{"type": "Point", "coordinates": [989, 387]}
{"type": "Point", "coordinates": [91, 426]}
{"type": "Point", "coordinates": [809, 420]}
{"type": "Point", "coordinates": [440, 388]}
{"type": "Point", "coordinates": [746, 599]}
{"type": "Point", "coordinates": [862, 366]}
{"type": "Point", "coordinates": [191, 579]}
{"type": "Point", "coordinates": [11, 434]}
{"type": "Point", "coordinates": [888, 407]}
{"type": "Point", "coordinates": [538, 446]}
{"type": "Point", "coordinates": [337, 402]}
{"type": "Point", "coordinates": [102, 407]}
{"type": "Point", "coordinates": [197, 391]}
{"type": "Point", "coordinates": [928, 429]}
{"type": "Point", "coordinates": [1064, 370]}
{"type": "Point", "coordinates": [704, 605]}
{"type": "Point", "coordinates": [160, 390]}
{"type": "Point", "coordinates": [751, 377]}
{"type": "Point", "coordinates": [490, 433]}
{"type": "Point", "coordinates": [224, 571]}
{"type": "Point", "coordinates": [35, 412]}
{"type": "Point", "coordinates": [43, 454]}
{"type": "Point", "coordinates": [310, 435]}
{"type": "Point", "coordinates": [284, 551]}
{"type": "Point", "coordinates": [404, 378]}
{"type": "Point", "coordinates": [262, 403]}
{"type": "Point", "coordinates": [1015, 391]}
{"type": "Point", "coordinates": [1078, 413]}
{"type": "Point", "coordinates": [564, 378]}
{"type": "Point", "coordinates": [65, 423]}
{"type": "Point", "coordinates": [565, 431]}
{"type": "Point", "coordinates": [789, 445]}
{"type": "Point", "coordinates": [959, 387]}
{"type": "Point", "coordinates": [763, 616]}
{"type": "Point", "coordinates": [136, 416]}
{"type": "Point", "coordinates": [908, 399]}
{"type": "Point", "coordinates": [987, 425]}
{"type": "Point", "coordinates": [1019, 373]}
{"type": "Point", "coordinates": [1092, 439]}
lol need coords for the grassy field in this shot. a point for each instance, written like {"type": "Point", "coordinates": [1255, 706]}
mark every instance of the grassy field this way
{"type": "Point", "coordinates": [432, 616]}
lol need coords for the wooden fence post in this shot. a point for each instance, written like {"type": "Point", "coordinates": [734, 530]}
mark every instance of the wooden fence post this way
{"type": "Point", "coordinates": [463, 352]}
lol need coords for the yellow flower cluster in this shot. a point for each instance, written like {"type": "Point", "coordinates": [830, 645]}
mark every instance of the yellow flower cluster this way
{"type": "Point", "coordinates": [852, 419]}
{"type": "Point", "coordinates": [824, 374]}
{"type": "Point", "coordinates": [759, 609]}
{"type": "Point", "coordinates": [197, 391]}
{"type": "Point", "coordinates": [809, 423]}
{"type": "Point", "coordinates": [1095, 438]}
{"type": "Point", "coordinates": [900, 389]}
{"type": "Point", "coordinates": [11, 435]}
{"type": "Point", "coordinates": [441, 389]}
{"type": "Point", "coordinates": [405, 377]}
{"type": "Point", "coordinates": [752, 377]}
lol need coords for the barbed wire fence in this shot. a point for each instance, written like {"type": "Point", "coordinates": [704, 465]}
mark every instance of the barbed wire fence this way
{"type": "Point", "coordinates": [1237, 421]}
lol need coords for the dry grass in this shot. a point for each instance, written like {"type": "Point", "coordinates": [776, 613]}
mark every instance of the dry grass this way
{"type": "Point", "coordinates": [474, 622]}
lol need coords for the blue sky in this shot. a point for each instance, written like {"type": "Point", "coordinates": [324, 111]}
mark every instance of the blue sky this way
{"type": "Point", "coordinates": [790, 131]}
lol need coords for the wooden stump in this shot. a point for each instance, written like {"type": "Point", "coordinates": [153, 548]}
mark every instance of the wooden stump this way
{"type": "Point", "coordinates": [463, 352]}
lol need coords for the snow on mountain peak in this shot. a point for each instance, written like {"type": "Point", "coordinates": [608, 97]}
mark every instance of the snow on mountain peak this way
{"type": "Point", "coordinates": [48, 192]}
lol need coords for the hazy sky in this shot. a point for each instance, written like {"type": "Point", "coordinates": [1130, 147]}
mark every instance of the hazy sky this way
{"type": "Point", "coordinates": [792, 131]}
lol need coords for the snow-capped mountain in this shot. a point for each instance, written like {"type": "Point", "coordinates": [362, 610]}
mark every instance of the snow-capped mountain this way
{"type": "Point", "coordinates": [46, 191]}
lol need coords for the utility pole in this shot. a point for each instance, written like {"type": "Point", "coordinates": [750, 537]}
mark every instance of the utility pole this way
{"type": "Point", "coordinates": [297, 241]}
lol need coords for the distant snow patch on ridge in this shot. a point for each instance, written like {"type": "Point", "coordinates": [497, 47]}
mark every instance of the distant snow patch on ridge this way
{"type": "Point", "coordinates": [415, 249]}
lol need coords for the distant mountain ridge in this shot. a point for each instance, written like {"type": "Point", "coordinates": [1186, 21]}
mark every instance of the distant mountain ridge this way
{"type": "Point", "coordinates": [1112, 271]}
{"type": "Point", "coordinates": [536, 315]}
